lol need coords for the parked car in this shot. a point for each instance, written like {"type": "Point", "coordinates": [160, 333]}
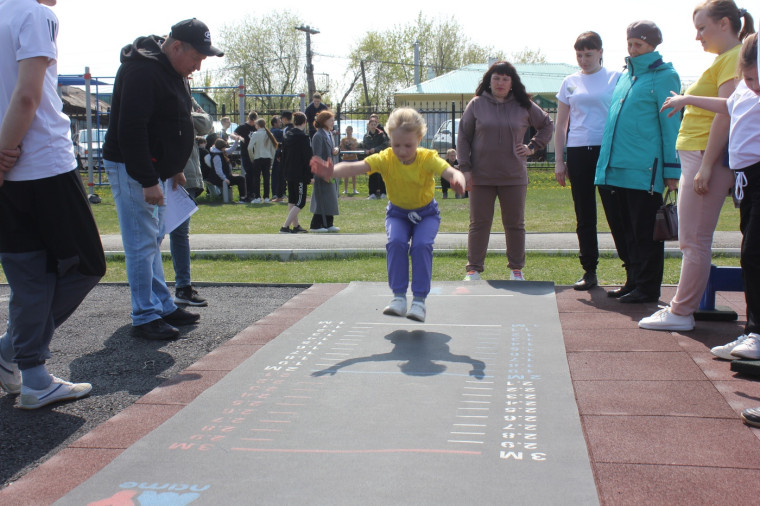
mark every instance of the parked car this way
{"type": "Point", "coordinates": [443, 138]}
{"type": "Point", "coordinates": [81, 147]}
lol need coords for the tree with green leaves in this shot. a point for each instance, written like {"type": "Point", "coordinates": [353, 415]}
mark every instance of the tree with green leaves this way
{"type": "Point", "coordinates": [383, 62]}
{"type": "Point", "coordinates": [528, 55]}
{"type": "Point", "coordinates": [267, 52]}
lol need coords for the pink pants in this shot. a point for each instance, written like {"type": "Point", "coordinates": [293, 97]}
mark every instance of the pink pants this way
{"type": "Point", "coordinates": [697, 219]}
{"type": "Point", "coordinates": [512, 205]}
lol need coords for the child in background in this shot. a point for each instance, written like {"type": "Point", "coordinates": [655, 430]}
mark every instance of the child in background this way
{"type": "Point", "coordinates": [220, 161]}
{"type": "Point", "coordinates": [451, 157]}
{"type": "Point", "coordinates": [744, 158]}
{"type": "Point", "coordinates": [412, 214]}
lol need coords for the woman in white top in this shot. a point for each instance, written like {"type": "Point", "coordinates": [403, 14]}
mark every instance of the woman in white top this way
{"type": "Point", "coordinates": [583, 103]}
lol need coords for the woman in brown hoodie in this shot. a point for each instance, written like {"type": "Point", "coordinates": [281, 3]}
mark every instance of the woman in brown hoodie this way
{"type": "Point", "coordinates": [493, 158]}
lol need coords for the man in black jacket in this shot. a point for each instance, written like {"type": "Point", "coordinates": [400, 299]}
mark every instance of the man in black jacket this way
{"type": "Point", "coordinates": [149, 140]}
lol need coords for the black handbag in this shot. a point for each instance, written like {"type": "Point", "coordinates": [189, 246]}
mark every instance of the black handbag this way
{"type": "Point", "coordinates": [666, 219]}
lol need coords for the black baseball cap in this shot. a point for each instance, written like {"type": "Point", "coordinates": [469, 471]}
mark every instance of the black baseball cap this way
{"type": "Point", "coordinates": [196, 33]}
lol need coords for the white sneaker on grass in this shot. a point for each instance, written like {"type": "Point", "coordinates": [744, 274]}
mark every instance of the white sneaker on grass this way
{"type": "Point", "coordinates": [664, 319]}
{"type": "Point", "coordinates": [472, 276]}
{"type": "Point", "coordinates": [416, 311]}
{"type": "Point", "coordinates": [10, 377]}
{"type": "Point", "coordinates": [58, 390]}
{"type": "Point", "coordinates": [516, 275]}
{"type": "Point", "coordinates": [724, 351]}
{"type": "Point", "coordinates": [397, 307]}
{"type": "Point", "coordinates": [318, 230]}
{"type": "Point", "coordinates": [749, 348]}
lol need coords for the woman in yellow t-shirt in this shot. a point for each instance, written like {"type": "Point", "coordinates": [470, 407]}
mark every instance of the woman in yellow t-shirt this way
{"type": "Point", "coordinates": [701, 144]}
{"type": "Point", "coordinates": [409, 173]}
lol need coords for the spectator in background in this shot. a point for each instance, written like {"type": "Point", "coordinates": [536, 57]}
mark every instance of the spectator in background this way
{"type": "Point", "coordinates": [261, 150]}
{"type": "Point", "coordinates": [220, 161]}
{"type": "Point", "coordinates": [245, 131]}
{"type": "Point", "coordinates": [312, 110]}
{"type": "Point", "coordinates": [583, 103]}
{"type": "Point", "coordinates": [224, 132]}
{"type": "Point", "coordinates": [179, 238]}
{"type": "Point", "coordinates": [295, 165]}
{"type": "Point", "coordinates": [349, 143]}
{"type": "Point", "coordinates": [375, 141]}
{"type": "Point", "coordinates": [49, 244]}
{"type": "Point", "coordinates": [278, 176]}
{"type": "Point", "coordinates": [493, 158]}
{"type": "Point", "coordinates": [324, 201]}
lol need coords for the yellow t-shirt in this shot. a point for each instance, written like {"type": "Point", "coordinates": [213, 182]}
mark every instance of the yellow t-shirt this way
{"type": "Point", "coordinates": [695, 127]}
{"type": "Point", "coordinates": [409, 186]}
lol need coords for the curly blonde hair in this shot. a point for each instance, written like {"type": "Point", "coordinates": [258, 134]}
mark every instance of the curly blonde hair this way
{"type": "Point", "coordinates": [407, 119]}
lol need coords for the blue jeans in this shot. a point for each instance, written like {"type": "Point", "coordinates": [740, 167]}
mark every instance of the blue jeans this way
{"type": "Point", "coordinates": [179, 245]}
{"type": "Point", "coordinates": [400, 229]}
{"type": "Point", "coordinates": [142, 230]}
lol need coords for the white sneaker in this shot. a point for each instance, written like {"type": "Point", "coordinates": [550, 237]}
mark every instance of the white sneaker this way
{"type": "Point", "coordinates": [266, 201]}
{"type": "Point", "coordinates": [256, 201]}
{"type": "Point", "coordinates": [724, 351]}
{"type": "Point", "coordinates": [383, 196]}
{"type": "Point", "coordinates": [416, 311]}
{"type": "Point", "coordinates": [333, 229]}
{"type": "Point", "coordinates": [472, 276]}
{"type": "Point", "coordinates": [516, 275]}
{"type": "Point", "coordinates": [372, 197]}
{"type": "Point", "coordinates": [749, 348]}
{"type": "Point", "coordinates": [664, 319]}
{"type": "Point", "coordinates": [59, 390]}
{"type": "Point", "coordinates": [10, 377]}
{"type": "Point", "coordinates": [397, 307]}
{"type": "Point", "coordinates": [318, 230]}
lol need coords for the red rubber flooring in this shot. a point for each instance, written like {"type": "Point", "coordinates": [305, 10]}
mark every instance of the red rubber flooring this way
{"type": "Point", "coordinates": [660, 414]}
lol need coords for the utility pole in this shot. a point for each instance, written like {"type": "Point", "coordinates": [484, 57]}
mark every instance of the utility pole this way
{"type": "Point", "coordinates": [309, 66]}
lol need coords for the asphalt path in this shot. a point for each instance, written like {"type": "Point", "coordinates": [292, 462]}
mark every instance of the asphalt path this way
{"type": "Point", "coordinates": [95, 345]}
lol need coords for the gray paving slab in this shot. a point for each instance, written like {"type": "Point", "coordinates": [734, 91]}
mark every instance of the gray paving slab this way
{"type": "Point", "coordinates": [291, 246]}
{"type": "Point", "coordinates": [350, 406]}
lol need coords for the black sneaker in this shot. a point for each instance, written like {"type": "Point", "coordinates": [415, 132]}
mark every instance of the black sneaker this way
{"type": "Point", "coordinates": [285, 230]}
{"type": "Point", "coordinates": [157, 330]}
{"type": "Point", "coordinates": [181, 317]}
{"type": "Point", "coordinates": [751, 416]}
{"type": "Point", "coordinates": [298, 229]}
{"type": "Point", "coordinates": [188, 296]}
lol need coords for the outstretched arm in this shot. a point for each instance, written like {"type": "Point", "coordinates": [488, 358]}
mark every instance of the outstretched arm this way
{"type": "Point", "coordinates": [678, 102]}
{"type": "Point", "coordinates": [327, 171]}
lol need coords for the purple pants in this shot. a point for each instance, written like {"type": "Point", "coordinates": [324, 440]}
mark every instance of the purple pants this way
{"type": "Point", "coordinates": [420, 226]}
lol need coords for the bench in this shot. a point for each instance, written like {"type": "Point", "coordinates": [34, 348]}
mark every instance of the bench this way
{"type": "Point", "coordinates": [722, 279]}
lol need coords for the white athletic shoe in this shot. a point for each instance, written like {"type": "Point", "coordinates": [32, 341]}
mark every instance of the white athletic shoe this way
{"type": "Point", "coordinates": [472, 276]}
{"type": "Point", "coordinates": [664, 319]}
{"type": "Point", "coordinates": [416, 311]}
{"type": "Point", "coordinates": [59, 390]}
{"type": "Point", "coordinates": [724, 351]}
{"type": "Point", "coordinates": [516, 275]}
{"type": "Point", "coordinates": [397, 307]}
{"type": "Point", "coordinates": [749, 348]}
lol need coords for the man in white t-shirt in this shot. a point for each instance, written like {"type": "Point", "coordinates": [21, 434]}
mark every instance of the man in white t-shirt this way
{"type": "Point", "coordinates": [49, 244]}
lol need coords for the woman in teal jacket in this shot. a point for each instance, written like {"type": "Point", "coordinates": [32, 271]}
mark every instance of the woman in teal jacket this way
{"type": "Point", "coordinates": [637, 160]}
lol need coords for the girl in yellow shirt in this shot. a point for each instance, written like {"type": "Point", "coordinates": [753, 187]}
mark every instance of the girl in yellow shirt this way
{"type": "Point", "coordinates": [412, 214]}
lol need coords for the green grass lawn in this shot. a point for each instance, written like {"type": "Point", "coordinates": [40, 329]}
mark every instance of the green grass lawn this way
{"type": "Point", "coordinates": [549, 208]}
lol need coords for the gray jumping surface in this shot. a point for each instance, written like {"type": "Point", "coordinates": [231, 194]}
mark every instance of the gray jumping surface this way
{"type": "Point", "coordinates": [350, 406]}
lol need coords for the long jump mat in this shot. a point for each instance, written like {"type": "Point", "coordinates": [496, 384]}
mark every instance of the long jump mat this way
{"type": "Point", "coordinates": [350, 406]}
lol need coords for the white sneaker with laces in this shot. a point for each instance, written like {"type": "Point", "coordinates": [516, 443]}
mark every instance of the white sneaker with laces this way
{"type": "Point", "coordinates": [10, 377]}
{"type": "Point", "coordinates": [416, 311]}
{"type": "Point", "coordinates": [333, 229]}
{"type": "Point", "coordinates": [749, 348]}
{"type": "Point", "coordinates": [664, 319]}
{"type": "Point", "coordinates": [397, 307]}
{"type": "Point", "coordinates": [472, 276]}
{"type": "Point", "coordinates": [724, 351]}
{"type": "Point", "coordinates": [59, 390]}
{"type": "Point", "coordinates": [516, 275]}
